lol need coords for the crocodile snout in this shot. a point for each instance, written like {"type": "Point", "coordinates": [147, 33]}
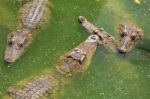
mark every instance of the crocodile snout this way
{"type": "Point", "coordinates": [8, 61]}
{"type": "Point", "coordinates": [122, 50]}
{"type": "Point", "coordinates": [81, 19]}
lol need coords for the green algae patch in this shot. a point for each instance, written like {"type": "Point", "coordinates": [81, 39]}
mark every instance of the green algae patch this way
{"type": "Point", "coordinates": [109, 76]}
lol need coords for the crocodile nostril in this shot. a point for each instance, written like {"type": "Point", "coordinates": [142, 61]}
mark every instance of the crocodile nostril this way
{"type": "Point", "coordinates": [122, 51]}
{"type": "Point", "coordinates": [81, 19]}
{"type": "Point", "coordinates": [8, 61]}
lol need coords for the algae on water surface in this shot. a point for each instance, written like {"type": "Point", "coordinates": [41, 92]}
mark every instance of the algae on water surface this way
{"type": "Point", "coordinates": [110, 76]}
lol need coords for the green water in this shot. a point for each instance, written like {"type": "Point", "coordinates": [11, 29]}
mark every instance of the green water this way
{"type": "Point", "coordinates": [110, 75]}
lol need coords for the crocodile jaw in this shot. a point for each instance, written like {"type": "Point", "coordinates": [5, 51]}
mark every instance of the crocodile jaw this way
{"type": "Point", "coordinates": [12, 54]}
{"type": "Point", "coordinates": [125, 45]}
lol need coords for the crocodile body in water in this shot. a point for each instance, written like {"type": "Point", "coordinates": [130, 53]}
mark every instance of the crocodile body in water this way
{"type": "Point", "coordinates": [107, 40]}
{"type": "Point", "coordinates": [129, 35]}
{"type": "Point", "coordinates": [75, 61]}
{"type": "Point", "coordinates": [33, 14]}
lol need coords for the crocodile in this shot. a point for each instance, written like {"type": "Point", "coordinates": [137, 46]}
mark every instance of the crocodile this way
{"type": "Point", "coordinates": [73, 62]}
{"type": "Point", "coordinates": [33, 14]}
{"type": "Point", "coordinates": [129, 35]}
{"type": "Point", "coordinates": [35, 88]}
{"type": "Point", "coordinates": [17, 42]}
{"type": "Point", "coordinates": [107, 40]}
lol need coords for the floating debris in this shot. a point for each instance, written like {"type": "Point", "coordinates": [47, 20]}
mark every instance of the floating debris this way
{"type": "Point", "coordinates": [137, 2]}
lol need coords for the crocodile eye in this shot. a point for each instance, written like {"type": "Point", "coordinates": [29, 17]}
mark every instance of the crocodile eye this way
{"type": "Point", "coordinates": [123, 34]}
{"type": "Point", "coordinates": [20, 45]}
{"type": "Point", "coordinates": [96, 31]}
{"type": "Point", "coordinates": [133, 37]}
{"type": "Point", "coordinates": [10, 43]}
{"type": "Point", "coordinates": [76, 49]}
{"type": "Point", "coordinates": [138, 31]}
{"type": "Point", "coordinates": [11, 35]}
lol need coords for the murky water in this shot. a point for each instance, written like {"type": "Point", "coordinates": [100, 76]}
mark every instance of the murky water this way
{"type": "Point", "coordinates": [110, 75]}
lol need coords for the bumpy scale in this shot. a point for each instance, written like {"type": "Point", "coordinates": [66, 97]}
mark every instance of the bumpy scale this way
{"type": "Point", "coordinates": [107, 40]}
{"type": "Point", "coordinates": [129, 36]}
{"type": "Point", "coordinates": [75, 61]}
{"type": "Point", "coordinates": [34, 13]}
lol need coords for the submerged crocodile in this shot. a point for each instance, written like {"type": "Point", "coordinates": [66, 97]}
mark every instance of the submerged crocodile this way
{"type": "Point", "coordinates": [73, 62]}
{"type": "Point", "coordinates": [33, 14]}
{"type": "Point", "coordinates": [107, 40]}
{"type": "Point", "coordinates": [129, 35]}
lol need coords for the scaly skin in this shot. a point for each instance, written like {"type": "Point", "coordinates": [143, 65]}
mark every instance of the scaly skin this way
{"type": "Point", "coordinates": [75, 61]}
{"type": "Point", "coordinates": [79, 58]}
{"type": "Point", "coordinates": [107, 40]}
{"type": "Point", "coordinates": [35, 89]}
{"type": "Point", "coordinates": [129, 36]}
{"type": "Point", "coordinates": [33, 14]}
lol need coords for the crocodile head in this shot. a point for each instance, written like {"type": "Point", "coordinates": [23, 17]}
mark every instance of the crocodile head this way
{"type": "Point", "coordinates": [17, 41]}
{"type": "Point", "coordinates": [129, 35]}
{"type": "Point", "coordinates": [81, 19]}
